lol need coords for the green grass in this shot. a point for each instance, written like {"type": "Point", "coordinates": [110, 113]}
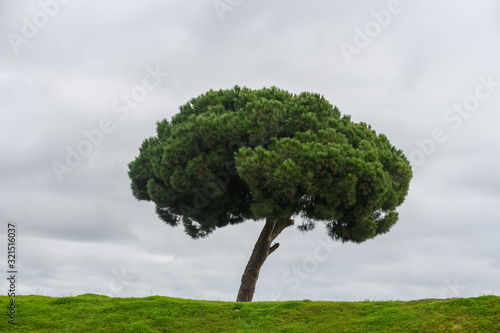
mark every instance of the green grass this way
{"type": "Point", "coordinates": [95, 313]}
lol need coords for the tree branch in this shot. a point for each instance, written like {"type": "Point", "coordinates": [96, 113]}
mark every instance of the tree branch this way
{"type": "Point", "coordinates": [280, 225]}
{"type": "Point", "coordinates": [273, 248]}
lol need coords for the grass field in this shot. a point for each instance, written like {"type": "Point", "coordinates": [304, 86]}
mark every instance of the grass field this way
{"type": "Point", "coordinates": [95, 313]}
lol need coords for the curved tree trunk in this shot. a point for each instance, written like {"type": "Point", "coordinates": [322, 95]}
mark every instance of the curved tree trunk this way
{"type": "Point", "coordinates": [261, 251]}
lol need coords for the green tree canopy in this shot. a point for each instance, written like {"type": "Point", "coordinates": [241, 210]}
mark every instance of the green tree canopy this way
{"type": "Point", "coordinates": [238, 154]}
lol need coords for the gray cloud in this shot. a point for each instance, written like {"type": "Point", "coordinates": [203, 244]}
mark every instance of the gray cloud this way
{"type": "Point", "coordinates": [88, 234]}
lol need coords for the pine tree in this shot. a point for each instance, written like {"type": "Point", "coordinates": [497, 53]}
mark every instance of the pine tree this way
{"type": "Point", "coordinates": [241, 154]}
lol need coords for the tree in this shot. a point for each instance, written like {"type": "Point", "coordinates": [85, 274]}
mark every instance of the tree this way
{"type": "Point", "coordinates": [241, 154]}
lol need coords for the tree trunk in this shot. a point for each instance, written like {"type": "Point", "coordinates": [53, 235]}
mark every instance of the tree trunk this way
{"type": "Point", "coordinates": [261, 251]}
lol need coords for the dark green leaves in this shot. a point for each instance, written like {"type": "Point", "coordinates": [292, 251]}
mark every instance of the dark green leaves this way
{"type": "Point", "coordinates": [238, 154]}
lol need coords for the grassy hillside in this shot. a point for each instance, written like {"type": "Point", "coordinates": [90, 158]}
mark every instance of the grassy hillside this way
{"type": "Point", "coordinates": [95, 313]}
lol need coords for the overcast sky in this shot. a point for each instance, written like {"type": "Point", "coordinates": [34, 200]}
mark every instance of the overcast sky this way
{"type": "Point", "coordinates": [83, 83]}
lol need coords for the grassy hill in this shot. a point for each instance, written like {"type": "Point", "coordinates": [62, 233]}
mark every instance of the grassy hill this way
{"type": "Point", "coordinates": [95, 313]}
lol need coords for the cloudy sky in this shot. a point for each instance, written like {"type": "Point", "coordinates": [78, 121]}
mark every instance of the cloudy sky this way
{"type": "Point", "coordinates": [83, 83]}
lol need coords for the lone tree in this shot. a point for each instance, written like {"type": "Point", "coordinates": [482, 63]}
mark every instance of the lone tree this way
{"type": "Point", "coordinates": [240, 154]}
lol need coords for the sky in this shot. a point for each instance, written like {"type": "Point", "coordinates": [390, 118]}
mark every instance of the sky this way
{"type": "Point", "coordinates": [83, 83]}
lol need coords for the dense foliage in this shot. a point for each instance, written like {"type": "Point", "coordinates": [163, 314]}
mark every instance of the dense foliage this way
{"type": "Point", "coordinates": [238, 154]}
